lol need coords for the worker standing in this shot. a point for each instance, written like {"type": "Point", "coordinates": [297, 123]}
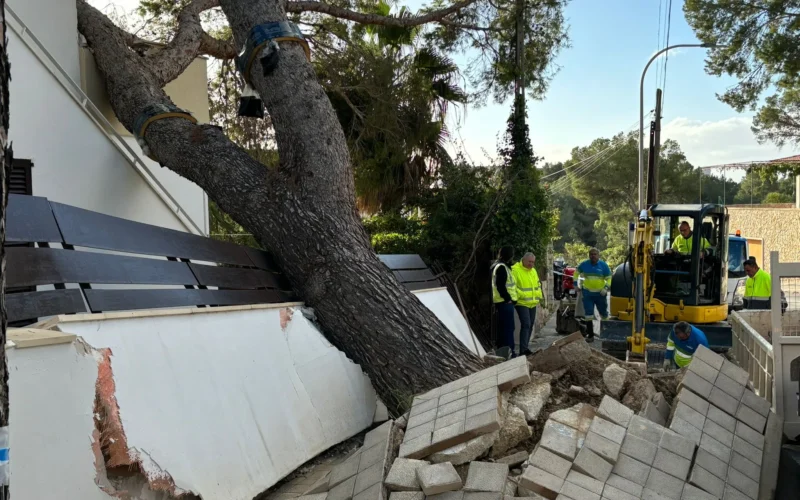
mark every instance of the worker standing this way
{"type": "Point", "coordinates": [758, 287]}
{"type": "Point", "coordinates": [594, 279]}
{"type": "Point", "coordinates": [504, 296]}
{"type": "Point", "coordinates": [529, 293]}
{"type": "Point", "coordinates": [682, 342]}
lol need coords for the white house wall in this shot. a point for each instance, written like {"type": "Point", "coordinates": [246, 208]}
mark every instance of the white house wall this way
{"type": "Point", "coordinates": [439, 301]}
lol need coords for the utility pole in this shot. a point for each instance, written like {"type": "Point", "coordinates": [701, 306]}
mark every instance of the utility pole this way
{"type": "Point", "coordinates": [653, 154]}
{"type": "Point", "coordinates": [519, 83]}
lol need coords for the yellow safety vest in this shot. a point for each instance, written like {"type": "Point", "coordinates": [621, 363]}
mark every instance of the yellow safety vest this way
{"type": "Point", "coordinates": [511, 285]}
{"type": "Point", "coordinates": [758, 288]}
{"type": "Point", "coordinates": [683, 245]}
{"type": "Point", "coordinates": [529, 291]}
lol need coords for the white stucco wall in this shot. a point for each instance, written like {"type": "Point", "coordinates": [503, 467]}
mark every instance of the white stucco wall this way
{"type": "Point", "coordinates": [439, 301]}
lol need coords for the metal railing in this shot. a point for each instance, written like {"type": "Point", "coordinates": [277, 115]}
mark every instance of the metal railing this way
{"type": "Point", "coordinates": [753, 352]}
{"type": "Point", "coordinates": [785, 323]}
{"type": "Point", "coordinates": [74, 90]}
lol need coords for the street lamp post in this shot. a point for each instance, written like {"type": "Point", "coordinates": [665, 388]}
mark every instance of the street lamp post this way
{"type": "Point", "coordinates": [641, 112]}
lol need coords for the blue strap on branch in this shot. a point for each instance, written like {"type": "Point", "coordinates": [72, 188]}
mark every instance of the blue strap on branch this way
{"type": "Point", "coordinates": [152, 114]}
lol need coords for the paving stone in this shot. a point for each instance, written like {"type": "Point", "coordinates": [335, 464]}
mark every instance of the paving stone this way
{"type": "Point", "coordinates": [511, 487]}
{"type": "Point", "coordinates": [660, 401]}
{"type": "Point", "coordinates": [374, 492]}
{"type": "Point", "coordinates": [751, 418]}
{"type": "Point", "coordinates": [735, 372]}
{"type": "Point", "coordinates": [585, 482]}
{"type": "Point", "coordinates": [608, 430]}
{"type": "Point", "coordinates": [448, 495]}
{"type": "Point", "coordinates": [343, 471]}
{"type": "Point", "coordinates": [732, 493]}
{"type": "Point", "coordinates": [529, 495]}
{"type": "Point", "coordinates": [746, 449]}
{"type": "Point", "coordinates": [517, 375]}
{"type": "Point", "coordinates": [449, 436]}
{"type": "Point", "coordinates": [729, 386]}
{"type": "Point", "coordinates": [745, 432]}
{"type": "Point", "coordinates": [711, 463]}
{"type": "Point", "coordinates": [422, 405]}
{"type": "Point", "coordinates": [721, 418]}
{"type": "Point", "coordinates": [482, 407]}
{"type": "Point", "coordinates": [343, 491]}
{"type": "Point", "coordinates": [378, 434]}
{"type": "Point", "coordinates": [513, 459]}
{"type": "Point", "coordinates": [625, 485]}
{"type": "Point", "coordinates": [691, 492]}
{"type": "Point", "coordinates": [483, 423]}
{"type": "Point", "coordinates": [756, 402]}
{"type": "Point", "coordinates": [692, 400]}
{"type": "Point", "coordinates": [426, 428]}
{"type": "Point", "coordinates": [313, 496]}
{"type": "Point", "coordinates": [373, 455]}
{"type": "Point", "coordinates": [745, 466]}
{"type": "Point", "coordinates": [708, 356]}
{"type": "Point", "coordinates": [690, 415]}
{"type": "Point", "coordinates": [707, 481]}
{"type": "Point", "coordinates": [550, 462]}
{"type": "Point", "coordinates": [467, 451]}
{"type": "Point", "coordinates": [369, 476]}
{"type": "Point", "coordinates": [402, 475]}
{"type": "Point", "coordinates": [645, 429]}
{"type": "Point", "coordinates": [480, 396]}
{"type": "Point", "coordinates": [742, 483]}
{"type": "Point", "coordinates": [486, 476]}
{"type": "Point", "coordinates": [541, 482]}
{"type": "Point", "coordinates": [606, 448]}
{"type": "Point", "coordinates": [648, 494]}
{"type": "Point", "coordinates": [717, 432]}
{"type": "Point", "coordinates": [592, 464]}
{"type": "Point", "coordinates": [680, 445]}
{"type": "Point", "coordinates": [612, 493]}
{"type": "Point", "coordinates": [454, 395]}
{"type": "Point", "coordinates": [650, 412]}
{"type": "Point", "coordinates": [665, 484]}
{"type": "Point", "coordinates": [724, 401]}
{"type": "Point", "coordinates": [453, 386]}
{"type": "Point", "coordinates": [638, 448]}
{"type": "Point", "coordinates": [686, 429]}
{"type": "Point", "coordinates": [560, 439]}
{"type": "Point", "coordinates": [697, 384]}
{"type": "Point", "coordinates": [614, 411]}
{"type": "Point", "coordinates": [571, 490]}
{"type": "Point", "coordinates": [716, 448]}
{"type": "Point", "coordinates": [450, 419]}
{"type": "Point", "coordinates": [672, 464]}
{"type": "Point", "coordinates": [438, 478]}
{"type": "Point", "coordinates": [631, 469]}
{"type": "Point", "coordinates": [418, 447]}
{"type": "Point", "coordinates": [451, 407]}
{"type": "Point", "coordinates": [421, 418]}
{"type": "Point", "coordinates": [531, 398]}
{"type": "Point", "coordinates": [703, 369]}
{"type": "Point", "coordinates": [482, 495]}
{"type": "Point", "coordinates": [407, 495]}
{"type": "Point", "coordinates": [482, 385]}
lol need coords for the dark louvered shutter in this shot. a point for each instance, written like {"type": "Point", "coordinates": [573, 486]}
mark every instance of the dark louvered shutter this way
{"type": "Point", "coordinates": [20, 181]}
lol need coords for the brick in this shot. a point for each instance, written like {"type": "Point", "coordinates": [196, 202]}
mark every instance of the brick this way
{"type": "Point", "coordinates": [486, 476]}
{"type": "Point", "coordinates": [721, 418]}
{"type": "Point", "coordinates": [650, 412]}
{"type": "Point", "coordinates": [374, 492]}
{"type": "Point", "coordinates": [550, 462]}
{"type": "Point", "coordinates": [592, 464]}
{"type": "Point", "coordinates": [483, 423]}
{"type": "Point", "coordinates": [612, 493]}
{"type": "Point", "coordinates": [402, 475]}
{"type": "Point", "coordinates": [729, 386]}
{"type": "Point", "coordinates": [745, 432]}
{"type": "Point", "coordinates": [751, 418]}
{"type": "Point", "coordinates": [716, 448]}
{"type": "Point", "coordinates": [665, 484]}
{"type": "Point", "coordinates": [680, 445]}
{"type": "Point", "coordinates": [723, 401]}
{"type": "Point", "coordinates": [453, 386]}
{"type": "Point", "coordinates": [742, 483]}
{"type": "Point", "coordinates": [449, 436]}
{"type": "Point", "coordinates": [614, 411]}
{"type": "Point", "coordinates": [560, 439]}
{"type": "Point", "coordinates": [703, 369]}
{"type": "Point", "coordinates": [708, 356]}
{"type": "Point", "coordinates": [717, 432]}
{"type": "Point", "coordinates": [541, 482]}
{"type": "Point", "coordinates": [632, 470]}
{"type": "Point", "coordinates": [692, 416]}
{"type": "Point", "coordinates": [745, 466]}
{"type": "Point", "coordinates": [692, 400]}
{"type": "Point", "coordinates": [343, 491]}
{"type": "Point", "coordinates": [711, 463]}
{"type": "Point", "coordinates": [606, 448]}
{"type": "Point", "coordinates": [571, 490]}
{"type": "Point", "coordinates": [608, 430]}
{"type": "Point", "coordinates": [732, 493]}
{"type": "Point", "coordinates": [648, 494]}
{"type": "Point", "coordinates": [756, 402]}
{"type": "Point", "coordinates": [422, 405]}
{"type": "Point", "coordinates": [407, 495]}
{"type": "Point", "coordinates": [451, 418]}
{"type": "Point", "coordinates": [686, 429]}
{"type": "Point", "coordinates": [625, 485]}
{"type": "Point", "coordinates": [672, 464]}
{"type": "Point", "coordinates": [438, 478]}
{"type": "Point", "coordinates": [426, 428]}
{"type": "Point", "coordinates": [479, 397]}
{"type": "Point", "coordinates": [451, 407]}
{"type": "Point", "coordinates": [691, 492]}
{"type": "Point", "coordinates": [585, 482]}
{"type": "Point", "coordinates": [421, 418]}
{"type": "Point", "coordinates": [645, 429]}
{"type": "Point", "coordinates": [734, 372]}
{"type": "Point", "coordinates": [742, 447]}
{"type": "Point", "coordinates": [696, 384]}
{"type": "Point", "coordinates": [707, 481]}
{"type": "Point", "coordinates": [368, 477]}
{"type": "Point", "coordinates": [455, 395]}
{"type": "Point", "coordinates": [482, 385]}
{"type": "Point", "coordinates": [482, 407]}
{"type": "Point", "coordinates": [416, 448]}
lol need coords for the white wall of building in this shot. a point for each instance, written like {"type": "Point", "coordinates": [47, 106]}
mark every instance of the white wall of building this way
{"type": "Point", "coordinates": [439, 301]}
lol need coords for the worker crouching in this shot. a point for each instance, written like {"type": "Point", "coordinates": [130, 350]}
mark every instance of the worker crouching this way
{"type": "Point", "coordinates": [682, 342]}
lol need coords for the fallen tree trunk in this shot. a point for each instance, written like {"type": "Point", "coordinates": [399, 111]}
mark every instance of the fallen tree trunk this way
{"type": "Point", "coordinates": [5, 170]}
{"type": "Point", "coordinates": [303, 211]}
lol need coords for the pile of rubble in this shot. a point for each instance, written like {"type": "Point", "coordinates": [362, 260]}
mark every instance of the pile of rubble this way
{"type": "Point", "coordinates": [560, 432]}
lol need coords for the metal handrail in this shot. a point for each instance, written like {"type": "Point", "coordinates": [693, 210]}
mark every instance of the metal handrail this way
{"type": "Point", "coordinates": [75, 91]}
{"type": "Point", "coordinates": [755, 354]}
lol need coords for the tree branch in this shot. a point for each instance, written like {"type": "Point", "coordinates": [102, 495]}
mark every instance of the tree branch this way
{"type": "Point", "coordinates": [436, 16]}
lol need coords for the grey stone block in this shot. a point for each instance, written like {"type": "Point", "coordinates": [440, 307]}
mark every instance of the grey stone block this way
{"type": "Point", "coordinates": [550, 462]}
{"type": "Point", "coordinates": [723, 401]}
{"type": "Point", "coordinates": [734, 372]}
{"type": "Point", "coordinates": [723, 419]}
{"type": "Point", "coordinates": [511, 487]}
{"type": "Point", "coordinates": [745, 466]}
{"type": "Point", "coordinates": [711, 463]}
{"type": "Point", "coordinates": [708, 356]}
{"type": "Point", "coordinates": [343, 491]}
{"type": "Point", "coordinates": [426, 428]}
{"type": "Point", "coordinates": [690, 415]}
{"type": "Point", "coordinates": [477, 386]}
{"type": "Point", "coordinates": [402, 475]}
{"type": "Point", "coordinates": [729, 386]}
{"type": "Point", "coordinates": [453, 386]}
{"type": "Point", "coordinates": [645, 429]}
{"type": "Point", "coordinates": [665, 484]}
{"type": "Point", "coordinates": [748, 434]}
{"type": "Point", "coordinates": [650, 412]}
{"type": "Point", "coordinates": [692, 400]}
{"type": "Point", "coordinates": [449, 436]}
{"type": "Point", "coordinates": [612, 493]}
{"type": "Point", "coordinates": [482, 495]}
{"type": "Point", "coordinates": [638, 448]}
{"type": "Point", "coordinates": [422, 405]}
{"type": "Point", "coordinates": [416, 448]}
{"type": "Point", "coordinates": [451, 407]}
{"type": "Point", "coordinates": [697, 384]}
{"type": "Point", "coordinates": [486, 476]}
{"type": "Point", "coordinates": [680, 445]}
{"type": "Point", "coordinates": [614, 411]}
{"type": "Point", "coordinates": [368, 477]}
{"type": "Point", "coordinates": [481, 396]}
{"type": "Point", "coordinates": [345, 470]}
{"type": "Point", "coordinates": [742, 483]}
{"type": "Point", "coordinates": [449, 495]}
{"type": "Point", "coordinates": [514, 459]}
{"type": "Point", "coordinates": [483, 423]}
{"type": "Point", "coordinates": [482, 407]}
{"type": "Point", "coordinates": [756, 402]}
{"type": "Point", "coordinates": [541, 482]}
{"type": "Point", "coordinates": [560, 439]}
{"type": "Point", "coordinates": [691, 492]}
{"type": "Point", "coordinates": [773, 438]}
{"type": "Point", "coordinates": [571, 490]}
{"type": "Point", "coordinates": [707, 481]}
{"type": "Point", "coordinates": [438, 478]}
{"type": "Point", "coordinates": [606, 448]}
{"type": "Point", "coordinates": [406, 495]}
{"type": "Point", "coordinates": [732, 493]}
{"type": "Point", "coordinates": [421, 418]}
{"type": "Point", "coordinates": [454, 395]}
{"type": "Point", "coordinates": [374, 492]}
{"type": "Point", "coordinates": [686, 429]}
{"type": "Point", "coordinates": [373, 455]}
{"type": "Point", "coordinates": [672, 464]}
{"type": "Point", "coordinates": [608, 430]}
{"type": "Point", "coordinates": [632, 470]}
{"type": "Point", "coordinates": [625, 485]}
{"type": "Point", "coordinates": [746, 449]}
{"type": "Point", "coordinates": [592, 464]}
{"type": "Point", "coordinates": [706, 371]}
{"type": "Point", "coordinates": [514, 376]}
{"type": "Point", "coordinates": [660, 401]}
{"type": "Point", "coordinates": [717, 432]}
{"type": "Point", "coordinates": [716, 448]}
{"type": "Point", "coordinates": [585, 482]}
{"type": "Point", "coordinates": [648, 494]}
{"type": "Point", "coordinates": [751, 418]}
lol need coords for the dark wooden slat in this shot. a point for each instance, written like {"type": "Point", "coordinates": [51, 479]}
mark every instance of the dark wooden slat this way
{"type": "Point", "coordinates": [236, 277]}
{"type": "Point", "coordinates": [417, 275]}
{"type": "Point", "coordinates": [262, 259]}
{"type": "Point", "coordinates": [32, 305]}
{"type": "Point", "coordinates": [402, 261]}
{"type": "Point", "coordinates": [95, 230]}
{"type": "Point", "coordinates": [29, 219]}
{"type": "Point", "coordinates": [44, 266]}
{"type": "Point", "coordinates": [422, 285]}
{"type": "Point", "coordinates": [120, 300]}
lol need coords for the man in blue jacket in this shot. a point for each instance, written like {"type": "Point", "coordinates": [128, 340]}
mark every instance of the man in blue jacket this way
{"type": "Point", "coordinates": [683, 341]}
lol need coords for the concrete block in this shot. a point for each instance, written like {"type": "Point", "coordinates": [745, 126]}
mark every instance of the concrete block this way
{"type": "Point", "coordinates": [516, 375]}
{"type": "Point", "coordinates": [344, 471]}
{"type": "Point", "coordinates": [650, 412]}
{"type": "Point", "coordinates": [541, 482]}
{"type": "Point", "coordinates": [708, 356]}
{"type": "Point", "coordinates": [625, 485]}
{"type": "Point", "coordinates": [612, 493]}
{"type": "Point", "coordinates": [729, 386]}
{"type": "Point", "coordinates": [746, 449]}
{"type": "Point", "coordinates": [690, 415]}
{"type": "Point", "coordinates": [632, 470]}
{"type": "Point", "coordinates": [482, 495]}
{"type": "Point", "coordinates": [614, 411]}
{"type": "Point", "coordinates": [592, 464]}
{"type": "Point", "coordinates": [721, 418]}
{"type": "Point", "coordinates": [483, 423]}
{"type": "Point", "coordinates": [422, 405]}
{"type": "Point", "coordinates": [691, 492]}
{"type": "Point", "coordinates": [369, 476]}
{"type": "Point", "coordinates": [660, 401]}
{"type": "Point", "coordinates": [734, 372]}
{"type": "Point", "coordinates": [550, 462]}
{"type": "Point", "coordinates": [686, 429]}
{"type": "Point", "coordinates": [343, 491]}
{"type": "Point", "coordinates": [585, 482]}
{"type": "Point", "coordinates": [482, 385]}
{"type": "Point", "coordinates": [453, 386]}
{"type": "Point", "coordinates": [751, 418]}
{"type": "Point", "coordinates": [648, 494]}
{"type": "Point", "coordinates": [645, 429]}
{"type": "Point", "coordinates": [426, 428]}
{"type": "Point", "coordinates": [732, 493]}
{"type": "Point", "coordinates": [372, 456]}
{"type": "Point", "coordinates": [748, 434]}
{"type": "Point", "coordinates": [756, 402]}
{"type": "Point", "coordinates": [513, 459]}
{"type": "Point", "coordinates": [481, 396]}
{"type": "Point", "coordinates": [673, 464]}
{"type": "Point", "coordinates": [707, 481]}
{"type": "Point", "coordinates": [608, 430]}
{"type": "Point", "coordinates": [680, 445]}
{"type": "Point", "coordinates": [402, 475]}
{"type": "Point", "coordinates": [548, 360]}
{"type": "Point", "coordinates": [665, 484]}
{"type": "Point", "coordinates": [717, 432]}
{"type": "Point", "coordinates": [745, 466]}
{"type": "Point", "coordinates": [723, 401]}
{"type": "Point", "coordinates": [438, 478]}
{"type": "Point", "coordinates": [773, 438]}
{"type": "Point", "coordinates": [451, 407]}
{"type": "Point", "coordinates": [450, 419]}
{"type": "Point", "coordinates": [711, 463]}
{"type": "Point", "coordinates": [742, 483]}
{"type": "Point", "coordinates": [571, 490]}
{"type": "Point", "coordinates": [448, 495]}
{"type": "Point", "coordinates": [511, 487]}
{"type": "Point", "coordinates": [455, 395]}
{"type": "Point", "coordinates": [560, 439]}
{"type": "Point", "coordinates": [716, 448]}
{"type": "Point", "coordinates": [606, 448]}
{"type": "Point", "coordinates": [418, 447]}
{"type": "Point", "coordinates": [486, 476]}
{"type": "Point", "coordinates": [482, 407]}
{"type": "Point", "coordinates": [692, 400]}
{"type": "Point", "coordinates": [421, 418]}
{"type": "Point", "coordinates": [704, 370]}
{"type": "Point", "coordinates": [374, 492]}
{"type": "Point", "coordinates": [697, 384]}
{"type": "Point", "coordinates": [407, 495]}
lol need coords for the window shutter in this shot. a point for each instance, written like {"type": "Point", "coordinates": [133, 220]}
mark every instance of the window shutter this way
{"type": "Point", "coordinates": [21, 177]}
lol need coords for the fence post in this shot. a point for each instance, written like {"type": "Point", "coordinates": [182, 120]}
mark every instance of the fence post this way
{"type": "Point", "coordinates": [777, 332]}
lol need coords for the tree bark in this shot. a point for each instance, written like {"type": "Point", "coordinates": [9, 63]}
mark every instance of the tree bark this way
{"type": "Point", "coordinates": [5, 169]}
{"type": "Point", "coordinates": [303, 211]}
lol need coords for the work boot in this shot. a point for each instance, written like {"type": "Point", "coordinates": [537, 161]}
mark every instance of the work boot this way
{"type": "Point", "coordinates": [589, 331]}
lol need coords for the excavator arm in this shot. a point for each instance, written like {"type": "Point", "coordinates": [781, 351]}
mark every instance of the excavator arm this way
{"type": "Point", "coordinates": [642, 264]}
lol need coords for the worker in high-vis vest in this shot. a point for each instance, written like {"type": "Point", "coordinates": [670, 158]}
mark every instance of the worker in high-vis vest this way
{"type": "Point", "coordinates": [504, 296]}
{"type": "Point", "coordinates": [683, 242]}
{"type": "Point", "coordinates": [758, 287]}
{"type": "Point", "coordinates": [594, 280]}
{"type": "Point", "coordinates": [682, 342]}
{"type": "Point", "coordinates": [529, 293]}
